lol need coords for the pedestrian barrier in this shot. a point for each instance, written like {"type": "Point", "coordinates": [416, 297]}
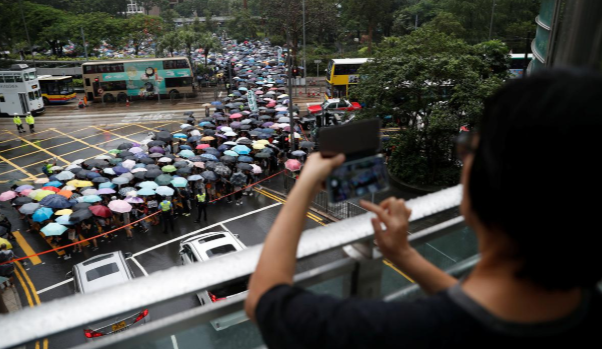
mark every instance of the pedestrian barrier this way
{"type": "Point", "coordinates": [128, 225]}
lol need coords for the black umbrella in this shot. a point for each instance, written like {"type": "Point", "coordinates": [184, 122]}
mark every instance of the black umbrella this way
{"type": "Point", "coordinates": [100, 180]}
{"type": "Point", "coordinates": [82, 174]}
{"type": "Point", "coordinates": [55, 201]}
{"type": "Point", "coordinates": [223, 171]}
{"type": "Point", "coordinates": [80, 206]}
{"type": "Point", "coordinates": [209, 132]}
{"type": "Point", "coordinates": [80, 215]}
{"type": "Point", "coordinates": [22, 200]}
{"type": "Point", "coordinates": [221, 118]}
{"type": "Point", "coordinates": [140, 175]}
{"type": "Point", "coordinates": [163, 136]}
{"type": "Point", "coordinates": [209, 126]}
{"type": "Point", "coordinates": [184, 171]}
{"type": "Point", "coordinates": [147, 161]}
{"type": "Point", "coordinates": [265, 117]}
{"type": "Point", "coordinates": [228, 159]}
{"type": "Point", "coordinates": [124, 146]}
{"type": "Point", "coordinates": [75, 169]}
{"type": "Point", "coordinates": [152, 174]}
{"type": "Point", "coordinates": [95, 163]}
{"type": "Point", "coordinates": [213, 152]}
{"type": "Point", "coordinates": [124, 154]}
{"type": "Point", "coordinates": [238, 179]}
{"type": "Point", "coordinates": [209, 176]}
{"type": "Point", "coordinates": [208, 119]}
{"type": "Point", "coordinates": [152, 167]}
{"type": "Point", "coordinates": [155, 144]}
{"type": "Point", "coordinates": [211, 165]}
{"type": "Point", "coordinates": [195, 159]}
{"type": "Point", "coordinates": [180, 164]}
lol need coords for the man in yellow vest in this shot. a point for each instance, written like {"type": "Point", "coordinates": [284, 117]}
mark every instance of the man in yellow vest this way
{"type": "Point", "coordinates": [201, 206]}
{"type": "Point", "coordinates": [18, 123]}
{"type": "Point", "coordinates": [166, 208]}
{"type": "Point", "coordinates": [30, 121]}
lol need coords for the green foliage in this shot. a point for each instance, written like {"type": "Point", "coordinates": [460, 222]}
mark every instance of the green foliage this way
{"type": "Point", "coordinates": [242, 26]}
{"type": "Point", "coordinates": [431, 84]}
{"type": "Point", "coordinates": [446, 22]}
{"type": "Point", "coordinates": [78, 82]}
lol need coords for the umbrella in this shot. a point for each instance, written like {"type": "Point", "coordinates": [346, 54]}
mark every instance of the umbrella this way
{"type": "Point", "coordinates": [148, 184]}
{"type": "Point", "coordinates": [179, 182]}
{"type": "Point", "coordinates": [124, 146]}
{"type": "Point", "coordinates": [124, 154]}
{"type": "Point", "coordinates": [120, 180]}
{"type": "Point", "coordinates": [80, 184]}
{"type": "Point", "coordinates": [307, 144]}
{"type": "Point", "coordinates": [292, 165]}
{"type": "Point", "coordinates": [101, 210]}
{"type": "Point", "coordinates": [163, 136]}
{"type": "Point", "coordinates": [42, 214]}
{"type": "Point", "coordinates": [195, 178]}
{"type": "Point", "coordinates": [112, 151]}
{"type": "Point", "coordinates": [163, 179]}
{"type": "Point", "coordinates": [209, 157]}
{"type": "Point", "coordinates": [180, 135]}
{"type": "Point", "coordinates": [156, 144]}
{"type": "Point", "coordinates": [245, 159]}
{"type": "Point", "coordinates": [209, 176]}
{"type": "Point", "coordinates": [115, 161]}
{"type": "Point", "coordinates": [109, 171]}
{"type": "Point", "coordinates": [223, 171]}
{"type": "Point", "coordinates": [120, 206]}
{"type": "Point", "coordinates": [124, 191]}
{"type": "Point", "coordinates": [156, 155]}
{"type": "Point", "coordinates": [42, 194]}
{"type": "Point", "coordinates": [165, 159]}
{"type": "Point", "coordinates": [198, 164]}
{"type": "Point", "coordinates": [136, 150]}
{"type": "Point", "coordinates": [22, 200]}
{"type": "Point", "coordinates": [156, 150]}
{"type": "Point", "coordinates": [202, 146]}
{"type": "Point", "coordinates": [65, 220]}
{"type": "Point", "coordinates": [244, 167]}
{"type": "Point", "coordinates": [53, 229]}
{"type": "Point", "coordinates": [53, 189]}
{"type": "Point", "coordinates": [228, 159]}
{"type": "Point", "coordinates": [89, 192]}
{"type": "Point", "coordinates": [91, 198]}
{"type": "Point", "coordinates": [82, 214]}
{"type": "Point", "coordinates": [147, 161]}
{"type": "Point", "coordinates": [207, 138]}
{"type": "Point", "coordinates": [29, 208]}
{"type": "Point", "coordinates": [55, 201]}
{"type": "Point", "coordinates": [181, 164]}
{"type": "Point", "coordinates": [298, 153]}
{"type": "Point", "coordinates": [184, 171]}
{"type": "Point", "coordinates": [63, 212]}
{"type": "Point", "coordinates": [244, 141]}
{"type": "Point", "coordinates": [258, 146]}
{"type": "Point", "coordinates": [103, 157]}
{"type": "Point", "coordinates": [164, 191]}
{"type": "Point", "coordinates": [186, 153]}
{"type": "Point", "coordinates": [238, 179]}
{"type": "Point", "coordinates": [80, 206]}
{"type": "Point", "coordinates": [64, 176]}
{"type": "Point", "coordinates": [152, 174]}
{"type": "Point", "coordinates": [104, 191]}
{"type": "Point", "coordinates": [168, 168]}
{"type": "Point", "coordinates": [41, 180]}
{"type": "Point", "coordinates": [66, 193]}
{"type": "Point", "coordinates": [106, 185]}
{"type": "Point", "coordinates": [256, 169]}
{"type": "Point", "coordinates": [8, 195]}
{"type": "Point", "coordinates": [230, 142]}
{"type": "Point", "coordinates": [23, 187]}
{"type": "Point", "coordinates": [127, 164]}
{"type": "Point", "coordinates": [241, 149]}
{"type": "Point", "coordinates": [100, 180]}
{"type": "Point", "coordinates": [134, 200]}
{"type": "Point", "coordinates": [146, 191]}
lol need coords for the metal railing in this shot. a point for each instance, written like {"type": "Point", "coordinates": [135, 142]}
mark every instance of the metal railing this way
{"type": "Point", "coordinates": [364, 269]}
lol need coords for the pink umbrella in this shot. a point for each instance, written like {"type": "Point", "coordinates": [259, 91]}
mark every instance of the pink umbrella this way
{"type": "Point", "coordinates": [199, 164]}
{"type": "Point", "coordinates": [136, 150]}
{"type": "Point", "coordinates": [134, 200]}
{"type": "Point", "coordinates": [236, 116]}
{"type": "Point", "coordinates": [8, 195]}
{"type": "Point", "coordinates": [26, 192]}
{"type": "Point", "coordinates": [256, 169]}
{"type": "Point", "coordinates": [202, 146]}
{"type": "Point", "coordinates": [275, 126]}
{"type": "Point", "coordinates": [292, 165]}
{"type": "Point", "coordinates": [259, 92]}
{"type": "Point", "coordinates": [281, 109]}
{"type": "Point", "coordinates": [120, 206]}
{"type": "Point", "coordinates": [271, 104]}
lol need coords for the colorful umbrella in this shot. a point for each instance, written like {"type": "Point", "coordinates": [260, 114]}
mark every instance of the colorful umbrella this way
{"type": "Point", "coordinates": [42, 194]}
{"type": "Point", "coordinates": [100, 211]}
{"type": "Point", "coordinates": [42, 214]}
{"type": "Point", "coordinates": [292, 165]}
{"type": "Point", "coordinates": [120, 206]}
{"type": "Point", "coordinates": [29, 208]}
{"type": "Point", "coordinates": [179, 182]}
{"type": "Point", "coordinates": [53, 229]}
{"type": "Point", "coordinates": [91, 198]}
{"type": "Point", "coordinates": [63, 212]}
{"type": "Point", "coordinates": [146, 191]}
{"type": "Point", "coordinates": [8, 195]}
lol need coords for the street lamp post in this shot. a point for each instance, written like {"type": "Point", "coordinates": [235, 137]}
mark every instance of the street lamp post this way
{"type": "Point", "coordinates": [491, 23]}
{"type": "Point", "coordinates": [304, 49]}
{"type": "Point", "coordinates": [290, 92]}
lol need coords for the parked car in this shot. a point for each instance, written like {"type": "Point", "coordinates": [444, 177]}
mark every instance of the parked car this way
{"type": "Point", "coordinates": [101, 272]}
{"type": "Point", "coordinates": [334, 104]}
{"type": "Point", "coordinates": [207, 246]}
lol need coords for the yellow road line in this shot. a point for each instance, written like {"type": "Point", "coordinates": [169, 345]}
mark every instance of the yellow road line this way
{"type": "Point", "coordinates": [48, 239]}
{"type": "Point", "coordinates": [28, 280]}
{"type": "Point", "coordinates": [14, 139]}
{"type": "Point", "coordinates": [44, 150]}
{"type": "Point", "coordinates": [42, 140]}
{"type": "Point", "coordinates": [19, 168]}
{"type": "Point", "coordinates": [27, 248]}
{"type": "Point", "coordinates": [148, 128]}
{"type": "Point", "coordinates": [25, 289]}
{"type": "Point", "coordinates": [81, 141]}
{"type": "Point", "coordinates": [276, 198]}
{"type": "Point", "coordinates": [392, 266]}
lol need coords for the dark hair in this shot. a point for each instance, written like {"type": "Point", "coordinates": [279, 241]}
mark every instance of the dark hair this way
{"type": "Point", "coordinates": [534, 174]}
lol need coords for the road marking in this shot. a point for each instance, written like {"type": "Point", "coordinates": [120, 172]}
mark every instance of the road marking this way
{"type": "Point", "coordinates": [174, 341]}
{"type": "Point", "coordinates": [139, 266]}
{"type": "Point", "coordinates": [42, 140]}
{"type": "Point", "coordinates": [114, 134]}
{"type": "Point", "coordinates": [27, 248]}
{"type": "Point", "coordinates": [226, 229]}
{"type": "Point", "coordinates": [42, 149]}
{"type": "Point", "coordinates": [55, 286]}
{"type": "Point", "coordinates": [81, 141]}
{"type": "Point", "coordinates": [14, 139]}
{"type": "Point", "coordinates": [392, 266]}
{"type": "Point", "coordinates": [276, 198]}
{"type": "Point", "coordinates": [36, 298]}
{"type": "Point", "coordinates": [200, 230]}
{"type": "Point", "coordinates": [25, 289]}
{"type": "Point", "coordinates": [17, 168]}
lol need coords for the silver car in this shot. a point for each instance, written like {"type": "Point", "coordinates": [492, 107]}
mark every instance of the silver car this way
{"type": "Point", "coordinates": [206, 246]}
{"type": "Point", "coordinates": [101, 272]}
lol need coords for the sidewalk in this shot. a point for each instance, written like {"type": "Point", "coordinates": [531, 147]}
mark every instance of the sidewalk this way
{"type": "Point", "coordinates": [11, 299]}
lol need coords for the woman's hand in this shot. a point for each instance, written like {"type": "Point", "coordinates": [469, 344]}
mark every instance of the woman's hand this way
{"type": "Point", "coordinates": [317, 168]}
{"type": "Point", "coordinates": [393, 213]}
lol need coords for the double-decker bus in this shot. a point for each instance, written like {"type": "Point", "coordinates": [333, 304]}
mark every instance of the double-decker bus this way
{"type": "Point", "coordinates": [56, 89]}
{"type": "Point", "coordinates": [517, 64]}
{"type": "Point", "coordinates": [340, 74]}
{"type": "Point", "coordinates": [20, 91]}
{"type": "Point", "coordinates": [111, 81]}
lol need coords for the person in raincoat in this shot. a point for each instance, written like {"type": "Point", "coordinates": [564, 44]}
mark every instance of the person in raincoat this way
{"type": "Point", "coordinates": [18, 122]}
{"type": "Point", "coordinates": [30, 121]}
{"type": "Point", "coordinates": [7, 270]}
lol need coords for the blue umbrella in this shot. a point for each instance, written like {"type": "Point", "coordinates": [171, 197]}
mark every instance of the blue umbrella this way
{"type": "Point", "coordinates": [140, 166]}
{"type": "Point", "coordinates": [53, 178]}
{"type": "Point", "coordinates": [223, 147]}
{"type": "Point", "coordinates": [64, 220]}
{"type": "Point", "coordinates": [194, 177]}
{"type": "Point", "coordinates": [146, 191]}
{"type": "Point", "coordinates": [180, 135]}
{"type": "Point", "coordinates": [42, 214]}
{"type": "Point", "coordinates": [91, 198]}
{"type": "Point", "coordinates": [186, 153]}
{"type": "Point", "coordinates": [53, 229]}
{"type": "Point", "coordinates": [205, 123]}
{"type": "Point", "coordinates": [213, 152]}
{"type": "Point", "coordinates": [106, 185]}
{"type": "Point", "coordinates": [230, 153]}
{"type": "Point", "coordinates": [267, 130]}
{"type": "Point", "coordinates": [148, 184]}
{"type": "Point", "coordinates": [55, 201]}
{"type": "Point", "coordinates": [241, 149]}
{"type": "Point", "coordinates": [216, 103]}
{"type": "Point", "coordinates": [92, 175]}
{"type": "Point", "coordinates": [263, 136]}
{"type": "Point", "coordinates": [140, 155]}
{"type": "Point", "coordinates": [55, 184]}
{"type": "Point", "coordinates": [209, 157]}
{"type": "Point", "coordinates": [120, 170]}
{"type": "Point", "coordinates": [245, 159]}
{"type": "Point", "coordinates": [185, 147]}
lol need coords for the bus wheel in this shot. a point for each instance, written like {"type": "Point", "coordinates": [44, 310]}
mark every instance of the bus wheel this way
{"type": "Point", "coordinates": [109, 98]}
{"type": "Point", "coordinates": [122, 97]}
{"type": "Point", "coordinates": [173, 94]}
{"type": "Point", "coordinates": [46, 101]}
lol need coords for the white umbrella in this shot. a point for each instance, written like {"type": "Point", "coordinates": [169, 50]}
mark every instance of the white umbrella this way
{"type": "Point", "coordinates": [230, 134]}
{"type": "Point", "coordinates": [89, 192]}
{"type": "Point", "coordinates": [109, 170]}
{"type": "Point", "coordinates": [226, 129]}
{"type": "Point", "coordinates": [78, 161]}
{"type": "Point", "coordinates": [71, 167]}
{"type": "Point", "coordinates": [164, 159]}
{"type": "Point", "coordinates": [65, 176]}
{"type": "Point", "coordinates": [195, 133]}
{"type": "Point", "coordinates": [103, 157]}
{"type": "Point", "coordinates": [68, 187]}
{"type": "Point", "coordinates": [165, 191]}
{"type": "Point", "coordinates": [129, 164]}
{"type": "Point", "coordinates": [139, 169]}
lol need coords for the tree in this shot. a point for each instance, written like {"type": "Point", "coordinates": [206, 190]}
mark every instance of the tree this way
{"type": "Point", "coordinates": [242, 26]}
{"type": "Point", "coordinates": [370, 13]}
{"type": "Point", "coordinates": [431, 83]}
{"type": "Point", "coordinates": [170, 41]}
{"type": "Point", "coordinates": [446, 22]}
{"type": "Point", "coordinates": [188, 38]}
{"type": "Point", "coordinates": [209, 43]}
{"type": "Point", "coordinates": [142, 27]}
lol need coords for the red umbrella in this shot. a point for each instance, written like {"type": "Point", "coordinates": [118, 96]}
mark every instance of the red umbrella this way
{"type": "Point", "coordinates": [202, 146]}
{"type": "Point", "coordinates": [292, 165]}
{"type": "Point", "coordinates": [54, 189]}
{"type": "Point", "coordinates": [235, 116]}
{"type": "Point", "coordinates": [101, 211]}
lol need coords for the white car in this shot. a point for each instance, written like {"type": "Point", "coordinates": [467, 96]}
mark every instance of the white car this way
{"type": "Point", "coordinates": [206, 246]}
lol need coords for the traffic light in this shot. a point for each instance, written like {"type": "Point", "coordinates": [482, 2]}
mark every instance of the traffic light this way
{"type": "Point", "coordinates": [96, 80]}
{"type": "Point", "coordinates": [295, 71]}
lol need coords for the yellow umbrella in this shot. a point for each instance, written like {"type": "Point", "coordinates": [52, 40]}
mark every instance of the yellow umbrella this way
{"type": "Point", "coordinates": [263, 141]}
{"type": "Point", "coordinates": [208, 138]}
{"type": "Point", "coordinates": [7, 243]}
{"type": "Point", "coordinates": [63, 212]}
{"type": "Point", "coordinates": [80, 184]}
{"type": "Point", "coordinates": [41, 181]}
{"type": "Point", "coordinates": [42, 194]}
{"type": "Point", "coordinates": [258, 146]}
{"type": "Point", "coordinates": [33, 193]}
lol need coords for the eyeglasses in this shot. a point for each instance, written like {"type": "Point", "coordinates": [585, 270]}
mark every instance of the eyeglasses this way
{"type": "Point", "coordinates": [464, 145]}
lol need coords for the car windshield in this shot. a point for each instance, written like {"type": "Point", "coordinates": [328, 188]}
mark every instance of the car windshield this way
{"type": "Point", "coordinates": [221, 250]}
{"type": "Point", "coordinates": [99, 272]}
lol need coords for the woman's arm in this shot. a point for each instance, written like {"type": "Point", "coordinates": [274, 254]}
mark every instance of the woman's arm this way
{"type": "Point", "coordinates": [279, 256]}
{"type": "Point", "coordinates": [393, 243]}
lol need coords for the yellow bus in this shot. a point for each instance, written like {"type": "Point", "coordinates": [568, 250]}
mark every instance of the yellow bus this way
{"type": "Point", "coordinates": [56, 89]}
{"type": "Point", "coordinates": [340, 74]}
{"type": "Point", "coordinates": [119, 80]}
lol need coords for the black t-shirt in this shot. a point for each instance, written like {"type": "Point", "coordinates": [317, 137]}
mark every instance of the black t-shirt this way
{"type": "Point", "coordinates": [289, 317]}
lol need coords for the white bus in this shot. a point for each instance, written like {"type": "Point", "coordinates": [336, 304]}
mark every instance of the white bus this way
{"type": "Point", "coordinates": [20, 91]}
